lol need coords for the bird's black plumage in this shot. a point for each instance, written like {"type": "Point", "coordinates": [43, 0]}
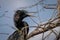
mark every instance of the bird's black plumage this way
{"type": "Point", "coordinates": [18, 19]}
{"type": "Point", "coordinates": [21, 25]}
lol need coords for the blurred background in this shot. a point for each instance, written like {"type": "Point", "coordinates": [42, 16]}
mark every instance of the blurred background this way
{"type": "Point", "coordinates": [7, 11]}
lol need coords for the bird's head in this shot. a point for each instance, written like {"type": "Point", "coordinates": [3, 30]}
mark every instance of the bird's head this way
{"type": "Point", "coordinates": [21, 14]}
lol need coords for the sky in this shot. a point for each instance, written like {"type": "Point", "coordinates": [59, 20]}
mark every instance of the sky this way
{"type": "Point", "coordinates": [8, 8]}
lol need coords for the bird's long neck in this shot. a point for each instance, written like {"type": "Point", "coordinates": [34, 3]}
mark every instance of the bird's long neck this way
{"type": "Point", "coordinates": [20, 22]}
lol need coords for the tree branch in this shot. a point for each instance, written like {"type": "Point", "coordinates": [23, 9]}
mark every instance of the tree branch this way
{"type": "Point", "coordinates": [41, 30]}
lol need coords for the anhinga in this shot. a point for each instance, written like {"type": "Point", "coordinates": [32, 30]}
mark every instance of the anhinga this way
{"type": "Point", "coordinates": [21, 25]}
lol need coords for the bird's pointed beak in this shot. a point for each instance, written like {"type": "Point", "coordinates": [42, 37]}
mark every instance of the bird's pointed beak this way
{"type": "Point", "coordinates": [31, 15]}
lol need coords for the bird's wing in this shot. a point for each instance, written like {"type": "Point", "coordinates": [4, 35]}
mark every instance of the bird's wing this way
{"type": "Point", "coordinates": [16, 36]}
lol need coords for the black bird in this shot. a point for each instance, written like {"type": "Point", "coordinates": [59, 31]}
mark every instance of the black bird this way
{"type": "Point", "coordinates": [21, 25]}
{"type": "Point", "coordinates": [18, 19]}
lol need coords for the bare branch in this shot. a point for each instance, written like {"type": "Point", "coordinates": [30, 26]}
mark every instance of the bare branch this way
{"type": "Point", "coordinates": [31, 5]}
{"type": "Point", "coordinates": [41, 30]}
{"type": "Point", "coordinates": [5, 33]}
